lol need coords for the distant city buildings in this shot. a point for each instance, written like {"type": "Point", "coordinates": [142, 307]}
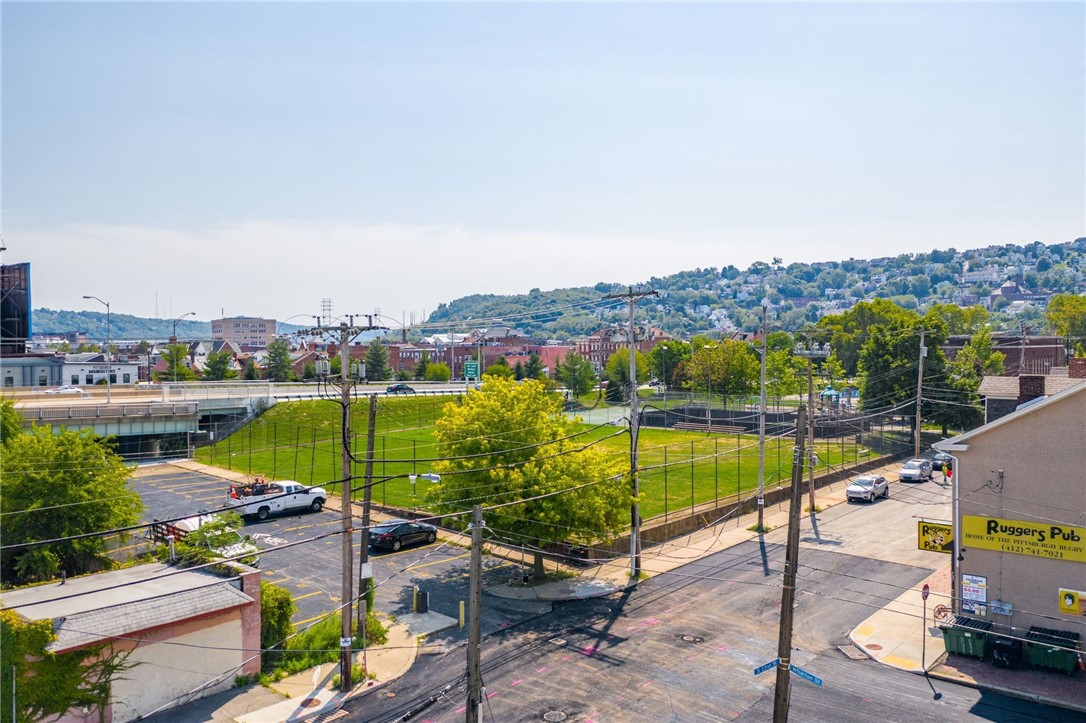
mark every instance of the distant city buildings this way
{"type": "Point", "coordinates": [245, 331]}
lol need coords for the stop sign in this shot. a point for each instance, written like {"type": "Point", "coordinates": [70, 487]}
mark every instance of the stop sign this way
{"type": "Point", "coordinates": [924, 592]}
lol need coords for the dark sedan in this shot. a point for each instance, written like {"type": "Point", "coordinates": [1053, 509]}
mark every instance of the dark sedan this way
{"type": "Point", "coordinates": [941, 459]}
{"type": "Point", "coordinates": [395, 534]}
{"type": "Point", "coordinates": [399, 389]}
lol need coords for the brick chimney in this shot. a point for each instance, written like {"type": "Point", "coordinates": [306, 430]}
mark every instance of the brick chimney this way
{"type": "Point", "coordinates": [1076, 368]}
{"type": "Point", "coordinates": [1030, 386]}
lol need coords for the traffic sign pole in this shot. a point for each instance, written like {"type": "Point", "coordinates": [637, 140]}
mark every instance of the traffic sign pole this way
{"type": "Point", "coordinates": [924, 592]}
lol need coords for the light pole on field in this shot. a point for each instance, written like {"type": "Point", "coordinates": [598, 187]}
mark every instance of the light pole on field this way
{"type": "Point", "coordinates": [109, 363]}
{"type": "Point", "coordinates": [173, 338]}
{"type": "Point", "coordinates": [812, 350]}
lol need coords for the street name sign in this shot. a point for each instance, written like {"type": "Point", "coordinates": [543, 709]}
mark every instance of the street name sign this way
{"type": "Point", "coordinates": [805, 675]}
{"type": "Point", "coordinates": [767, 666]}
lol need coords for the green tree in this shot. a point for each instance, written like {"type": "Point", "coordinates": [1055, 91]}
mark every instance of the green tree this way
{"type": "Point", "coordinates": [219, 366]}
{"type": "Point", "coordinates": [724, 367]}
{"type": "Point", "coordinates": [58, 485]}
{"type": "Point", "coordinates": [277, 365]}
{"type": "Point", "coordinates": [500, 368]}
{"type": "Point", "coordinates": [783, 373]}
{"type": "Point", "coordinates": [11, 422]}
{"type": "Point", "coordinates": [1066, 315]}
{"type": "Point", "coordinates": [309, 370]}
{"type": "Point", "coordinates": [518, 370]}
{"type": "Point", "coordinates": [849, 330]}
{"type": "Point", "coordinates": [833, 371]}
{"type": "Point", "coordinates": [508, 444]}
{"type": "Point", "coordinates": [575, 373]}
{"type": "Point", "coordinates": [665, 359]}
{"type": "Point", "coordinates": [252, 372]}
{"type": "Point", "coordinates": [533, 368]}
{"type": "Point", "coordinates": [277, 608]}
{"type": "Point", "coordinates": [617, 373]}
{"type": "Point", "coordinates": [438, 372]}
{"type": "Point", "coordinates": [177, 368]}
{"type": "Point", "coordinates": [420, 368]}
{"type": "Point", "coordinates": [377, 368]}
{"type": "Point", "coordinates": [961, 320]}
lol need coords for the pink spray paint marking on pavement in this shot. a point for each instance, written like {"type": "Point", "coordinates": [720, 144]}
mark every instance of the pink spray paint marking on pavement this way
{"type": "Point", "coordinates": [516, 682]}
{"type": "Point", "coordinates": [541, 670]}
{"type": "Point", "coordinates": [590, 650]}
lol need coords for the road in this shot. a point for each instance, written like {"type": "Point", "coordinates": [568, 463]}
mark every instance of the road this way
{"type": "Point", "coordinates": [683, 646]}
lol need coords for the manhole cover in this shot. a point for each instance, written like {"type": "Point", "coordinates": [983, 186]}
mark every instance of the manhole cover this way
{"type": "Point", "coordinates": [554, 716]}
{"type": "Point", "coordinates": [558, 641]}
{"type": "Point", "coordinates": [873, 646]}
{"type": "Point", "coordinates": [311, 702]}
{"type": "Point", "coordinates": [852, 651]}
{"type": "Point", "coordinates": [602, 609]}
{"type": "Point", "coordinates": [390, 694]}
{"type": "Point", "coordinates": [690, 638]}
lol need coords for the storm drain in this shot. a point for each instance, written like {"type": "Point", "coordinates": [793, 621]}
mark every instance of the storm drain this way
{"type": "Point", "coordinates": [557, 641]}
{"type": "Point", "coordinates": [554, 716]}
{"type": "Point", "coordinates": [852, 652]}
{"type": "Point", "coordinates": [690, 639]}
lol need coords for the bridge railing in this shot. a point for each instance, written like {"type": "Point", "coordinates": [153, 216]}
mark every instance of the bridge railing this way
{"type": "Point", "coordinates": [108, 411]}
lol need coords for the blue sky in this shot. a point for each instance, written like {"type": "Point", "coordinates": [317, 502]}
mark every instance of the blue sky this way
{"type": "Point", "coordinates": [256, 158]}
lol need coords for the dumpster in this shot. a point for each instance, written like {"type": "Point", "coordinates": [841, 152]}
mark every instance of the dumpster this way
{"type": "Point", "coordinates": [966, 636]}
{"type": "Point", "coordinates": [1048, 648]}
{"type": "Point", "coordinates": [1006, 652]}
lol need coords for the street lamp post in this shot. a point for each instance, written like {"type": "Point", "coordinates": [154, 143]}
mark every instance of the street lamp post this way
{"type": "Point", "coordinates": [109, 363]}
{"type": "Point", "coordinates": [173, 338]}
{"type": "Point", "coordinates": [709, 387]}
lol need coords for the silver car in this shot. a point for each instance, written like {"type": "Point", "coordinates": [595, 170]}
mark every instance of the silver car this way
{"type": "Point", "coordinates": [867, 488]}
{"type": "Point", "coordinates": [916, 470]}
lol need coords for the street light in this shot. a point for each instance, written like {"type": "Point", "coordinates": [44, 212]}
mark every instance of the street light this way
{"type": "Point", "coordinates": [709, 387]}
{"type": "Point", "coordinates": [109, 365]}
{"type": "Point", "coordinates": [810, 352]}
{"type": "Point", "coordinates": [173, 338]}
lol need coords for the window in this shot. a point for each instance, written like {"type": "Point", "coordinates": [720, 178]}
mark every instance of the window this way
{"type": "Point", "coordinates": [127, 378]}
{"type": "Point", "coordinates": [90, 379]}
{"type": "Point", "coordinates": [112, 377]}
{"type": "Point", "coordinates": [75, 380]}
{"type": "Point", "coordinates": [43, 381]}
{"type": "Point", "coordinates": [9, 381]}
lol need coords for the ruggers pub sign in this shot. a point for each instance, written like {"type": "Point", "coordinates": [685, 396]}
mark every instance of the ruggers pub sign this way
{"type": "Point", "coordinates": [1053, 542]}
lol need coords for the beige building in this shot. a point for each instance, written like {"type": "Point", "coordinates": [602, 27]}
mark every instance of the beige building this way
{"type": "Point", "coordinates": [244, 330]}
{"type": "Point", "coordinates": [1020, 517]}
{"type": "Point", "coordinates": [187, 634]}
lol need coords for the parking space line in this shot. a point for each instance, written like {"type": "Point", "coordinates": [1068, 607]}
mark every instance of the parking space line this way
{"type": "Point", "coordinates": [438, 562]}
{"type": "Point", "coordinates": [308, 594]}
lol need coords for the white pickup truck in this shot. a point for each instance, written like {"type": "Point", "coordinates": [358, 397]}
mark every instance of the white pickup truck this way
{"type": "Point", "coordinates": [265, 498]}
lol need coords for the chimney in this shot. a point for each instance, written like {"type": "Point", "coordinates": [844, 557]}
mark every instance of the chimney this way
{"type": "Point", "coordinates": [1076, 368]}
{"type": "Point", "coordinates": [1030, 386]}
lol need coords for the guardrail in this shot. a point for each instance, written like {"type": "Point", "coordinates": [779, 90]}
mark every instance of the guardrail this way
{"type": "Point", "coordinates": [108, 411]}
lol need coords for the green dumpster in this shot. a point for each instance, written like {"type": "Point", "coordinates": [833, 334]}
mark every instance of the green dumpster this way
{"type": "Point", "coordinates": [966, 636]}
{"type": "Point", "coordinates": [1055, 649]}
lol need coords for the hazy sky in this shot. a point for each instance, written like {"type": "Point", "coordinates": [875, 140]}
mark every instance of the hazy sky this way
{"type": "Point", "coordinates": [256, 158]}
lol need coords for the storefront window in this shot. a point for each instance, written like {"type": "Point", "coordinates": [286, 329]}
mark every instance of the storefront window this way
{"type": "Point", "coordinates": [127, 378]}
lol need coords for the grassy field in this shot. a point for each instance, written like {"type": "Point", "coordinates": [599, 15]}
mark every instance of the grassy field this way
{"type": "Point", "coordinates": [301, 441]}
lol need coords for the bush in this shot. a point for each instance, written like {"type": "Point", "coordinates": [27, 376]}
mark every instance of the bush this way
{"type": "Point", "coordinates": [276, 610]}
{"type": "Point", "coordinates": [320, 644]}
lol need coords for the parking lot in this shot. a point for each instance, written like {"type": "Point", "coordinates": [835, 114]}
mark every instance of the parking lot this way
{"type": "Point", "coordinates": [302, 554]}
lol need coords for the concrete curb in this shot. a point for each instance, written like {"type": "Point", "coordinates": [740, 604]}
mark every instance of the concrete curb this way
{"type": "Point", "coordinates": [970, 682]}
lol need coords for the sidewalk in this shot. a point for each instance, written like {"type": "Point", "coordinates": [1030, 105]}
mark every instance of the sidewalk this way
{"type": "Point", "coordinates": [892, 636]}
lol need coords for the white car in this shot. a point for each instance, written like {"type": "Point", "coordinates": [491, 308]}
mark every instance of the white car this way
{"type": "Point", "coordinates": [66, 389]}
{"type": "Point", "coordinates": [867, 488]}
{"type": "Point", "coordinates": [916, 470]}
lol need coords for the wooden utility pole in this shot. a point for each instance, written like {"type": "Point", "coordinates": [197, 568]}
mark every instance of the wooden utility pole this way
{"type": "Point", "coordinates": [761, 432]}
{"type": "Point", "coordinates": [635, 514]}
{"type": "Point", "coordinates": [347, 594]}
{"type": "Point", "coordinates": [788, 588]}
{"type": "Point", "coordinates": [919, 392]}
{"type": "Point", "coordinates": [474, 712]}
{"type": "Point", "coordinates": [364, 572]}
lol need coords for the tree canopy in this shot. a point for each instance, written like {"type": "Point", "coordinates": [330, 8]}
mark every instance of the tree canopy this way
{"type": "Point", "coordinates": [508, 443]}
{"type": "Point", "coordinates": [58, 485]}
{"type": "Point", "coordinates": [1066, 314]}
{"type": "Point", "coordinates": [575, 373]}
{"type": "Point", "coordinates": [277, 365]}
{"type": "Point", "coordinates": [377, 368]}
{"type": "Point", "coordinates": [219, 366]}
{"type": "Point", "coordinates": [175, 356]}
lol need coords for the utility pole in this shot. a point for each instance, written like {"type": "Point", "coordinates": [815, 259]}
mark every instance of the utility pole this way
{"type": "Point", "coordinates": [812, 351]}
{"type": "Point", "coordinates": [788, 588]}
{"type": "Point", "coordinates": [635, 421]}
{"type": "Point", "coordinates": [364, 573]}
{"type": "Point", "coordinates": [761, 432]}
{"type": "Point", "coordinates": [345, 331]}
{"type": "Point", "coordinates": [919, 391]}
{"type": "Point", "coordinates": [474, 712]}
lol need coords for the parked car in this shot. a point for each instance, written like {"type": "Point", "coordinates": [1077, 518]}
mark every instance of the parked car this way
{"type": "Point", "coordinates": [394, 534]}
{"type": "Point", "coordinates": [399, 389]}
{"type": "Point", "coordinates": [916, 470]}
{"type": "Point", "coordinates": [228, 542]}
{"type": "Point", "coordinates": [867, 488]}
{"type": "Point", "coordinates": [942, 458]}
{"type": "Point", "coordinates": [66, 389]}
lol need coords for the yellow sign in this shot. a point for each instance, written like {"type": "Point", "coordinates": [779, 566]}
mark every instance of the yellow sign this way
{"type": "Point", "coordinates": [1053, 542]}
{"type": "Point", "coordinates": [934, 537]}
{"type": "Point", "coordinates": [1071, 602]}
